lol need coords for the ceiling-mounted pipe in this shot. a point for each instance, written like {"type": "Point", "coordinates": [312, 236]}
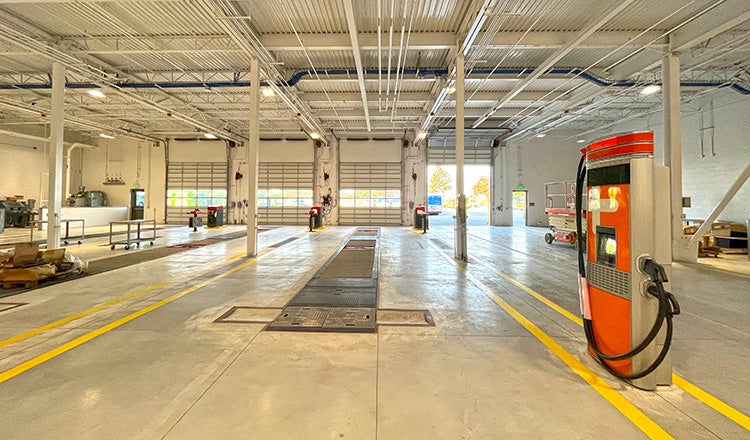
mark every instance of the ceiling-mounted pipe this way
{"type": "Point", "coordinates": [423, 73]}
{"type": "Point", "coordinates": [400, 49]}
{"type": "Point", "coordinates": [352, 24]}
{"type": "Point", "coordinates": [380, 56]}
{"type": "Point", "coordinates": [390, 55]}
{"type": "Point", "coordinates": [68, 159]}
{"type": "Point", "coordinates": [23, 136]}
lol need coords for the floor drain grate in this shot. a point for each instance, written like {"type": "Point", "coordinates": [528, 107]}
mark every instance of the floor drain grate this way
{"type": "Point", "coordinates": [405, 317]}
{"type": "Point", "coordinates": [249, 315]}
{"type": "Point", "coordinates": [4, 307]}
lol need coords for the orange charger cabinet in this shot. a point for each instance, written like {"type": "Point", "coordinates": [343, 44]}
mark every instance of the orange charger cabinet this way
{"type": "Point", "coordinates": [624, 299]}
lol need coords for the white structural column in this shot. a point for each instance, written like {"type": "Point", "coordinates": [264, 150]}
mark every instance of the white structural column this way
{"type": "Point", "coordinates": [252, 160]}
{"type": "Point", "coordinates": [460, 217]}
{"type": "Point", "coordinates": [673, 146]}
{"type": "Point", "coordinates": [57, 132]}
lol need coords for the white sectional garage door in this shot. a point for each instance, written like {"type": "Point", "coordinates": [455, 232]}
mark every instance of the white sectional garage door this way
{"type": "Point", "coordinates": [192, 185]}
{"type": "Point", "coordinates": [285, 192]}
{"type": "Point", "coordinates": [447, 156]}
{"type": "Point", "coordinates": [370, 193]}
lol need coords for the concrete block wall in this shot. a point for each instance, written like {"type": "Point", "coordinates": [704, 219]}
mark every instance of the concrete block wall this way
{"type": "Point", "coordinates": [706, 178]}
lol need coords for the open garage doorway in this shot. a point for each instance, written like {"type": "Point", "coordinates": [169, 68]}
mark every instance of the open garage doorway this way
{"type": "Point", "coordinates": [441, 181]}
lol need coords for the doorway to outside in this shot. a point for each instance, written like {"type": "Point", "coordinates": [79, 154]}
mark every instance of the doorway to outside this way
{"type": "Point", "coordinates": [519, 208]}
{"type": "Point", "coordinates": [442, 182]}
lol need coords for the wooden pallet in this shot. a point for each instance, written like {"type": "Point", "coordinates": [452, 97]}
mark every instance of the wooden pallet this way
{"type": "Point", "coordinates": [26, 284]}
{"type": "Point", "coordinates": [27, 276]}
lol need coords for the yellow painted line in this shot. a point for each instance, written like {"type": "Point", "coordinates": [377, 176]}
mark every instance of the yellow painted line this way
{"type": "Point", "coordinates": [31, 363]}
{"type": "Point", "coordinates": [712, 402]}
{"type": "Point", "coordinates": [543, 299]}
{"type": "Point", "coordinates": [630, 411]}
{"type": "Point", "coordinates": [97, 308]}
{"type": "Point", "coordinates": [729, 412]}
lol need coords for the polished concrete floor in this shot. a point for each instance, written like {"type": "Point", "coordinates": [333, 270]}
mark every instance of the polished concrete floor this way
{"type": "Point", "coordinates": [135, 352]}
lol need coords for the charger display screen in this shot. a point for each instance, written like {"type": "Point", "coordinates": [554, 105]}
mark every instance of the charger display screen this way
{"type": "Point", "coordinates": [606, 246]}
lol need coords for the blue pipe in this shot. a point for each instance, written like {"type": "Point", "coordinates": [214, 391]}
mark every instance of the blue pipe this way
{"type": "Point", "coordinates": [422, 72]}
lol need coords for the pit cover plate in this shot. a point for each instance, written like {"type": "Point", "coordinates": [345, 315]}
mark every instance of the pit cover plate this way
{"type": "Point", "coordinates": [293, 317]}
{"type": "Point", "coordinates": [351, 319]}
{"type": "Point", "coordinates": [335, 297]}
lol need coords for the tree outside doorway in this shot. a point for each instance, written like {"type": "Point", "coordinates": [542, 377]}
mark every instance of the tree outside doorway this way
{"type": "Point", "coordinates": [441, 181]}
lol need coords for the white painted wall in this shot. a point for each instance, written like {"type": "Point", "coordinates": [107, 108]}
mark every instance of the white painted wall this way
{"type": "Point", "coordinates": [119, 157]}
{"type": "Point", "coordinates": [415, 191]}
{"type": "Point", "coordinates": [706, 179]}
{"type": "Point", "coordinates": [286, 151]}
{"type": "Point", "coordinates": [371, 151]}
{"type": "Point", "coordinates": [532, 163]}
{"type": "Point", "coordinates": [23, 161]}
{"type": "Point", "coordinates": [327, 163]}
{"type": "Point", "coordinates": [198, 151]}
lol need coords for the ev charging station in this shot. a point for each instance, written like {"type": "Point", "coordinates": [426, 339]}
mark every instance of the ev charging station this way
{"type": "Point", "coordinates": [623, 277]}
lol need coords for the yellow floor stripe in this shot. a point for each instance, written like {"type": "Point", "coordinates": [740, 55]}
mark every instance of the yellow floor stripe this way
{"type": "Point", "coordinates": [630, 411]}
{"type": "Point", "coordinates": [543, 299]}
{"type": "Point", "coordinates": [97, 308]}
{"type": "Point", "coordinates": [717, 405]}
{"type": "Point", "coordinates": [729, 412]}
{"type": "Point", "coordinates": [31, 363]}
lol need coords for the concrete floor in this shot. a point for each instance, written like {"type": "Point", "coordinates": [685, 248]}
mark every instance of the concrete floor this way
{"type": "Point", "coordinates": [172, 372]}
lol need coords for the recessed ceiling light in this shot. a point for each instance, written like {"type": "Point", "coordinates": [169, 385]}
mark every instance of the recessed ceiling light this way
{"type": "Point", "coordinates": [450, 89]}
{"type": "Point", "coordinates": [541, 135]}
{"type": "Point", "coordinates": [580, 141]}
{"type": "Point", "coordinates": [96, 93]}
{"type": "Point", "coordinates": [209, 135]}
{"type": "Point", "coordinates": [106, 136]}
{"type": "Point", "coordinates": [651, 89]}
{"type": "Point", "coordinates": [267, 91]}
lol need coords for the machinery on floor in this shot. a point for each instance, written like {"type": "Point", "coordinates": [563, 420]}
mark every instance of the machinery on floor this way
{"type": "Point", "coordinates": [17, 212]}
{"type": "Point", "coordinates": [91, 199]}
{"type": "Point", "coordinates": [626, 309]}
{"type": "Point", "coordinates": [316, 217]}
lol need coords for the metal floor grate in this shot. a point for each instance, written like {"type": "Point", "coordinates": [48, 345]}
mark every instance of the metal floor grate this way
{"type": "Point", "coordinates": [336, 296]}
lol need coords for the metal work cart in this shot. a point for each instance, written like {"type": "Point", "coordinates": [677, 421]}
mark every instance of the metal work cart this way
{"type": "Point", "coordinates": [129, 239]}
{"type": "Point", "coordinates": [67, 239]}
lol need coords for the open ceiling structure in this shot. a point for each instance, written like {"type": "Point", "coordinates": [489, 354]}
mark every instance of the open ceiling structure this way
{"type": "Point", "coordinates": [361, 68]}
